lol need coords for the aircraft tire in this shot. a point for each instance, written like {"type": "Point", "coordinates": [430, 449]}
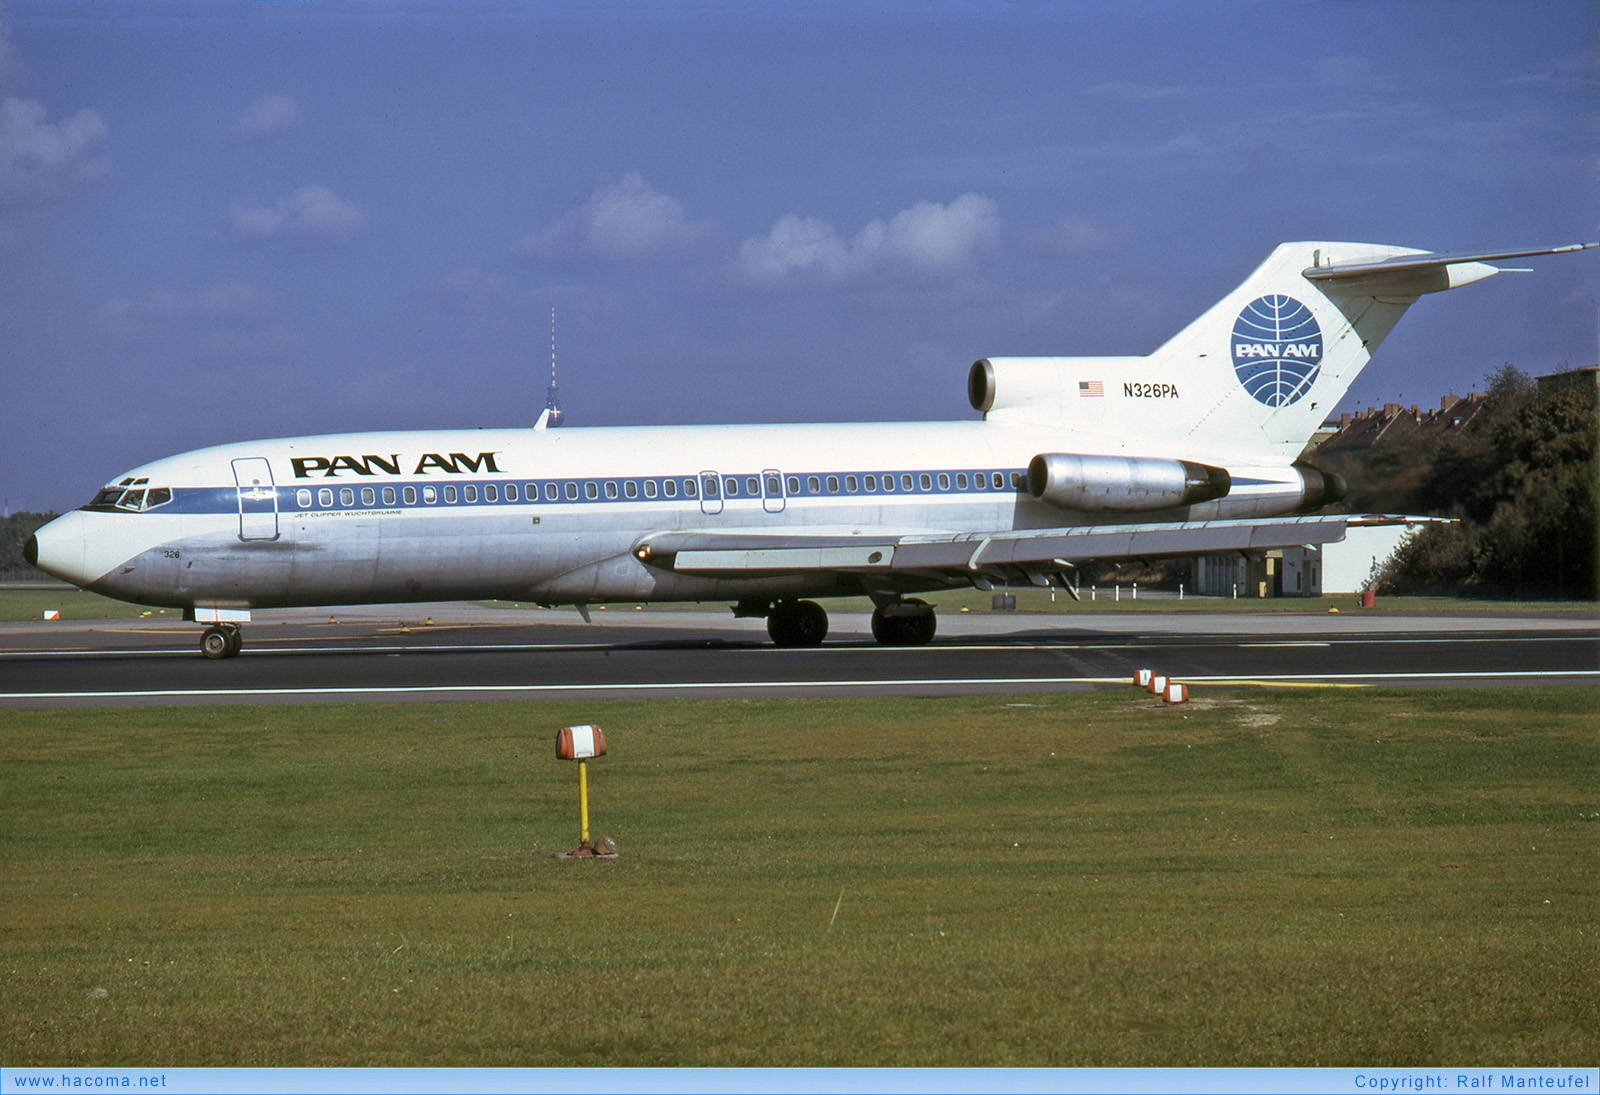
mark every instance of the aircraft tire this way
{"type": "Point", "coordinates": [216, 643]}
{"type": "Point", "coordinates": [235, 640]}
{"type": "Point", "coordinates": [915, 628]}
{"type": "Point", "coordinates": [797, 623]}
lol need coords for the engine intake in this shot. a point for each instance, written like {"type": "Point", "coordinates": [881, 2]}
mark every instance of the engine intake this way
{"type": "Point", "coordinates": [1122, 483]}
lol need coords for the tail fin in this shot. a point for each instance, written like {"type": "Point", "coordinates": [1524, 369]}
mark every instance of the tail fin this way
{"type": "Point", "coordinates": [1251, 378]}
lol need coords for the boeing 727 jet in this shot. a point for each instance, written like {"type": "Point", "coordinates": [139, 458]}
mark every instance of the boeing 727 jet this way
{"type": "Point", "coordinates": [1189, 450]}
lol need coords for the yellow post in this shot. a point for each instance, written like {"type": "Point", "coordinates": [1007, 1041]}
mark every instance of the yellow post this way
{"type": "Point", "coordinates": [583, 803]}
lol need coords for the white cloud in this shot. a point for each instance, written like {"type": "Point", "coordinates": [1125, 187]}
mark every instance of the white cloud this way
{"type": "Point", "coordinates": [266, 117]}
{"type": "Point", "coordinates": [927, 240]}
{"type": "Point", "coordinates": [1136, 93]}
{"type": "Point", "coordinates": [1073, 235]}
{"type": "Point", "coordinates": [38, 160]}
{"type": "Point", "coordinates": [625, 220]}
{"type": "Point", "coordinates": [224, 304]}
{"type": "Point", "coordinates": [311, 212]}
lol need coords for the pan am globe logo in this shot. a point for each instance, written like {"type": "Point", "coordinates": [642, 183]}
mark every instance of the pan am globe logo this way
{"type": "Point", "coordinates": [1277, 349]}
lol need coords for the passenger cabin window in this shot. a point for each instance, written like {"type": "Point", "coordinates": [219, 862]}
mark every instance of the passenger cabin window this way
{"type": "Point", "coordinates": [774, 488]}
{"type": "Point", "coordinates": [611, 490]}
{"type": "Point", "coordinates": [591, 491]}
{"type": "Point", "coordinates": [550, 491]}
{"type": "Point", "coordinates": [999, 481]}
{"type": "Point", "coordinates": [850, 484]}
{"type": "Point", "coordinates": [491, 493]}
{"type": "Point", "coordinates": [347, 497]}
{"type": "Point", "coordinates": [752, 486]}
{"type": "Point", "coordinates": [410, 495]}
{"type": "Point", "coordinates": [630, 489]}
{"type": "Point", "coordinates": [430, 495]}
{"type": "Point", "coordinates": [302, 498]}
{"type": "Point", "coordinates": [888, 482]}
{"type": "Point", "coordinates": [325, 498]}
{"type": "Point", "coordinates": [961, 480]}
{"type": "Point", "coordinates": [794, 484]}
{"type": "Point", "coordinates": [691, 491]}
{"type": "Point", "coordinates": [670, 487]}
{"type": "Point", "coordinates": [905, 482]}
{"type": "Point", "coordinates": [872, 483]}
{"type": "Point", "coordinates": [388, 496]}
{"type": "Point", "coordinates": [944, 481]}
{"type": "Point", "coordinates": [730, 487]}
{"type": "Point", "coordinates": [649, 488]}
{"type": "Point", "coordinates": [450, 493]}
{"type": "Point", "coordinates": [470, 492]}
{"type": "Point", "coordinates": [368, 496]}
{"type": "Point", "coordinates": [924, 482]}
{"type": "Point", "coordinates": [572, 492]}
{"type": "Point", "coordinates": [833, 484]}
{"type": "Point", "coordinates": [813, 484]}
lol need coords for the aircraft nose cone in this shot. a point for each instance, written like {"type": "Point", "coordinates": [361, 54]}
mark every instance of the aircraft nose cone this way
{"type": "Point", "coordinates": [60, 549]}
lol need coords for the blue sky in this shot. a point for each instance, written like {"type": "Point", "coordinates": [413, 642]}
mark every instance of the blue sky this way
{"type": "Point", "coordinates": [221, 221]}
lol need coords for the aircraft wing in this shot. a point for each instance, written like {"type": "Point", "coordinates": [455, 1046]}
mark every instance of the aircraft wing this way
{"type": "Point", "coordinates": [972, 557]}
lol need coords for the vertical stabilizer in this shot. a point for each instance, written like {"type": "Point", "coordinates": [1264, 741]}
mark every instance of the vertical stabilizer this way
{"type": "Point", "coordinates": [1251, 379]}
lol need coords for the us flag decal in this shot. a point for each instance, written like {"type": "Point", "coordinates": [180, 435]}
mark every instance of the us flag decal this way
{"type": "Point", "coordinates": [1091, 389]}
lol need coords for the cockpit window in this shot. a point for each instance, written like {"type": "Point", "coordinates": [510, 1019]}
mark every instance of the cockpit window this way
{"type": "Point", "coordinates": [120, 498]}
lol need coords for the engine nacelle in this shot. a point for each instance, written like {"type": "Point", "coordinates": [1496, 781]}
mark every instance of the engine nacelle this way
{"type": "Point", "coordinates": [1098, 484]}
{"type": "Point", "coordinates": [1318, 488]}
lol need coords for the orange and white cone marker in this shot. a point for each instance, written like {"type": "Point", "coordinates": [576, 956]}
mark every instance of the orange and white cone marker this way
{"type": "Point", "coordinates": [1141, 679]}
{"type": "Point", "coordinates": [1176, 692]}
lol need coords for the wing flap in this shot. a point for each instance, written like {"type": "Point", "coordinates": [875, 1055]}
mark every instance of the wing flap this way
{"type": "Point", "coordinates": [962, 555]}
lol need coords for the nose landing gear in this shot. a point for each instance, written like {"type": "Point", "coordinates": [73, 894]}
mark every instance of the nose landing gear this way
{"type": "Point", "coordinates": [221, 641]}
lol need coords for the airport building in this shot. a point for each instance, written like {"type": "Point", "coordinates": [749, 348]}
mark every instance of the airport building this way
{"type": "Point", "coordinates": [1348, 566]}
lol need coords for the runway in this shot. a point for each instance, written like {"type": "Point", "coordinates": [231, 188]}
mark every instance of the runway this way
{"type": "Point", "coordinates": [390, 653]}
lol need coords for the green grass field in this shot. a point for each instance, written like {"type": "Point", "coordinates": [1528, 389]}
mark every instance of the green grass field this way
{"type": "Point", "coordinates": [1300, 877]}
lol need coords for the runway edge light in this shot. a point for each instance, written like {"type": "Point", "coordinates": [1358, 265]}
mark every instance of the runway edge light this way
{"type": "Point", "coordinates": [582, 743]}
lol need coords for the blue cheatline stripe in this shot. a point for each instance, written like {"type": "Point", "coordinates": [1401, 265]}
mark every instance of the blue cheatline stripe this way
{"type": "Point", "coordinates": [319, 495]}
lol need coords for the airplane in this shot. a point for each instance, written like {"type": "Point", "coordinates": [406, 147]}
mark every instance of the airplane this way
{"type": "Point", "coordinates": [1192, 449]}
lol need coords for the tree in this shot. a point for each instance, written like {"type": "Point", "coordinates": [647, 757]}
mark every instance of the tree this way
{"type": "Point", "coordinates": [1524, 484]}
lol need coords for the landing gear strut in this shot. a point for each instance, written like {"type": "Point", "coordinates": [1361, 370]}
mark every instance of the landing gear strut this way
{"type": "Point", "coordinates": [221, 641]}
{"type": "Point", "coordinates": [907, 622]}
{"type": "Point", "coordinates": [797, 623]}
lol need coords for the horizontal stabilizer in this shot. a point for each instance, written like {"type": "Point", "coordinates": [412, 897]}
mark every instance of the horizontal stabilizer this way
{"type": "Point", "coordinates": [1423, 263]}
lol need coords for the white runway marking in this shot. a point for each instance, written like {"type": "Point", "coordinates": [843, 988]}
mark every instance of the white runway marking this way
{"type": "Point", "coordinates": [738, 686]}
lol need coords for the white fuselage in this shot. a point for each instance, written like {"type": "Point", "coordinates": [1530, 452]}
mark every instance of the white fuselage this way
{"type": "Point", "coordinates": [555, 515]}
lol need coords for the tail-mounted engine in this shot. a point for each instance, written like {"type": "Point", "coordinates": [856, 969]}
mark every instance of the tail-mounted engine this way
{"type": "Point", "coordinates": [1122, 483]}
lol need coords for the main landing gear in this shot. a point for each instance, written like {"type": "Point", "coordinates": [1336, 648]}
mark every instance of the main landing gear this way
{"type": "Point", "coordinates": [221, 641]}
{"type": "Point", "coordinates": [797, 623]}
{"type": "Point", "coordinates": [907, 622]}
{"type": "Point", "coordinates": [898, 622]}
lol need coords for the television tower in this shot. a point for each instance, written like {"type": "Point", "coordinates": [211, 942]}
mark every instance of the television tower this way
{"type": "Point", "coordinates": [551, 403]}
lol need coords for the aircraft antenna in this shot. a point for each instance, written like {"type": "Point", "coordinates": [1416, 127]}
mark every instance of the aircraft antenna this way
{"type": "Point", "coordinates": [551, 403]}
